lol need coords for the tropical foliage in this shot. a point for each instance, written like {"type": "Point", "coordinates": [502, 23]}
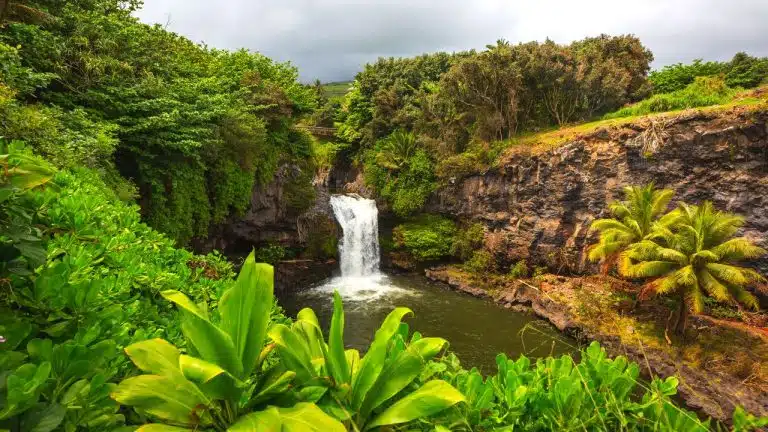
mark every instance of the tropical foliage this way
{"type": "Point", "coordinates": [370, 392]}
{"type": "Point", "coordinates": [81, 279]}
{"type": "Point", "coordinates": [425, 237]}
{"type": "Point", "coordinates": [451, 102]}
{"type": "Point", "coordinates": [222, 382]}
{"type": "Point", "coordinates": [633, 220]}
{"type": "Point", "coordinates": [742, 71]}
{"type": "Point", "coordinates": [595, 393]}
{"type": "Point", "coordinates": [695, 256]}
{"type": "Point", "coordinates": [191, 129]}
{"type": "Point", "coordinates": [690, 252]}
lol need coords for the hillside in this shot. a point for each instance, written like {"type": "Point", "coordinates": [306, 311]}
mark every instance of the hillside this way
{"type": "Point", "coordinates": [336, 89]}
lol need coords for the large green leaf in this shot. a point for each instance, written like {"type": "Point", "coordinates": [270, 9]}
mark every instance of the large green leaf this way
{"type": "Point", "coordinates": [156, 427]}
{"type": "Point", "coordinates": [215, 382]}
{"type": "Point", "coordinates": [308, 417]}
{"type": "Point", "coordinates": [262, 421]}
{"type": "Point", "coordinates": [402, 371]}
{"type": "Point", "coordinates": [155, 356]}
{"type": "Point", "coordinates": [336, 359]}
{"type": "Point", "coordinates": [304, 417]}
{"type": "Point", "coordinates": [167, 398]}
{"type": "Point", "coordinates": [245, 311]}
{"type": "Point", "coordinates": [312, 335]}
{"type": "Point", "coordinates": [430, 399]}
{"type": "Point", "coordinates": [373, 361]}
{"type": "Point", "coordinates": [294, 353]}
{"type": "Point", "coordinates": [275, 384]}
{"type": "Point", "coordinates": [212, 343]}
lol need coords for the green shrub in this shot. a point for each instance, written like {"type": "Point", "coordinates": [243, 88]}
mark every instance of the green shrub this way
{"type": "Point", "coordinates": [271, 254]}
{"type": "Point", "coordinates": [458, 166]}
{"type": "Point", "coordinates": [400, 173]}
{"type": "Point", "coordinates": [742, 71]}
{"type": "Point", "coordinates": [467, 241]}
{"type": "Point", "coordinates": [426, 237]}
{"type": "Point", "coordinates": [519, 270]}
{"type": "Point", "coordinates": [704, 91]}
{"type": "Point", "coordinates": [96, 291]}
{"type": "Point", "coordinates": [480, 263]}
{"type": "Point", "coordinates": [299, 192]}
{"type": "Point", "coordinates": [592, 393]}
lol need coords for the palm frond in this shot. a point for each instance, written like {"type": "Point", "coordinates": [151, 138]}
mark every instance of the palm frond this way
{"type": "Point", "coordinates": [660, 200]}
{"type": "Point", "coordinates": [610, 225]}
{"type": "Point", "coordinates": [712, 286]}
{"type": "Point", "coordinates": [670, 219]}
{"type": "Point", "coordinates": [704, 256]}
{"type": "Point", "coordinates": [686, 276]}
{"type": "Point", "coordinates": [619, 209]}
{"type": "Point", "coordinates": [694, 297]}
{"type": "Point", "coordinates": [666, 285]}
{"type": "Point", "coordinates": [743, 296]}
{"type": "Point", "coordinates": [738, 249]}
{"type": "Point", "coordinates": [646, 269]}
{"type": "Point", "coordinates": [730, 274]}
{"type": "Point", "coordinates": [605, 249]}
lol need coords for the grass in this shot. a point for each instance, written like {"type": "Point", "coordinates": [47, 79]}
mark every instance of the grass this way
{"type": "Point", "coordinates": [704, 91]}
{"type": "Point", "coordinates": [543, 141]}
{"type": "Point", "coordinates": [336, 89]}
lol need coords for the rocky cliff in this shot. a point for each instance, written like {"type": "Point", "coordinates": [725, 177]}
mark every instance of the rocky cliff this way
{"type": "Point", "coordinates": [539, 202]}
{"type": "Point", "coordinates": [278, 215]}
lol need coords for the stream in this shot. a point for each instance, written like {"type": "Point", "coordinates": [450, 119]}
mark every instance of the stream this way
{"type": "Point", "coordinates": [476, 329]}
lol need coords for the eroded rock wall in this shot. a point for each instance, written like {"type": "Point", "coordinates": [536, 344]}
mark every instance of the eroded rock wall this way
{"type": "Point", "coordinates": [539, 205]}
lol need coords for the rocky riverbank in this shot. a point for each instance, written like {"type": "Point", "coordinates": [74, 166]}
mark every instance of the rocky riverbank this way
{"type": "Point", "coordinates": [714, 377]}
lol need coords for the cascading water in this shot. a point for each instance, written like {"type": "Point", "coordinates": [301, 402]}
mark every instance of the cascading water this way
{"type": "Point", "coordinates": [359, 247]}
{"type": "Point", "coordinates": [360, 278]}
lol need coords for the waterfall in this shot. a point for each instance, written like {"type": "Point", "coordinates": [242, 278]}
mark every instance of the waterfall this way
{"type": "Point", "coordinates": [359, 247]}
{"type": "Point", "coordinates": [360, 279]}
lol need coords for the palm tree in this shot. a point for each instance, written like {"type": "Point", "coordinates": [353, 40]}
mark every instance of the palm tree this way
{"type": "Point", "coordinates": [633, 220]}
{"type": "Point", "coordinates": [697, 257]}
{"type": "Point", "coordinates": [397, 150]}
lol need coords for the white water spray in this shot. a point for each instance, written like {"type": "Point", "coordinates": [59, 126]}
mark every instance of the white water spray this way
{"type": "Point", "coordinates": [360, 278]}
{"type": "Point", "coordinates": [359, 247]}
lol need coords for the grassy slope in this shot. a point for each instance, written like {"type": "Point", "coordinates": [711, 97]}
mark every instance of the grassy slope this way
{"type": "Point", "coordinates": [336, 89]}
{"type": "Point", "coordinates": [543, 141]}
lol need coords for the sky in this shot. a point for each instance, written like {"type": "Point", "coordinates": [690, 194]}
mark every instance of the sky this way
{"type": "Point", "coordinates": [332, 39]}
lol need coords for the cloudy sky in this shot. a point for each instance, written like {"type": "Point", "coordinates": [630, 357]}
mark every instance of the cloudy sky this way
{"type": "Point", "coordinates": [332, 39]}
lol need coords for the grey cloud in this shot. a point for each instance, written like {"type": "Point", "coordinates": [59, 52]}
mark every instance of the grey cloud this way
{"type": "Point", "coordinates": [332, 39]}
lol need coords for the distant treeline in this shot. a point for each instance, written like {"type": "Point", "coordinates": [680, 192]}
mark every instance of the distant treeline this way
{"type": "Point", "coordinates": [413, 120]}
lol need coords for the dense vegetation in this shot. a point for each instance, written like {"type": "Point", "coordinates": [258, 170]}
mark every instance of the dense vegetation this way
{"type": "Point", "coordinates": [443, 116]}
{"type": "Point", "coordinates": [186, 128]}
{"type": "Point", "coordinates": [106, 325]}
{"type": "Point", "coordinates": [107, 282]}
{"type": "Point", "coordinates": [742, 71]}
{"type": "Point", "coordinates": [690, 252]}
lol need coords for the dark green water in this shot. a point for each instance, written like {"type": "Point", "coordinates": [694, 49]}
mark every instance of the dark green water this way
{"type": "Point", "coordinates": [476, 329]}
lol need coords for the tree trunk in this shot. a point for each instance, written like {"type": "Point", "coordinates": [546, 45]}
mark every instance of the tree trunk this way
{"type": "Point", "coordinates": [4, 4]}
{"type": "Point", "coordinates": [682, 318]}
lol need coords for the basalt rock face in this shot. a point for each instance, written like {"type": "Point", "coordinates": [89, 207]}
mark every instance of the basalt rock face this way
{"type": "Point", "coordinates": [273, 219]}
{"type": "Point", "coordinates": [539, 205]}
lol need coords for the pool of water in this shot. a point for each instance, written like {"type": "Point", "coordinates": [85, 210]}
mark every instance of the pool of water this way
{"type": "Point", "coordinates": [476, 329]}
